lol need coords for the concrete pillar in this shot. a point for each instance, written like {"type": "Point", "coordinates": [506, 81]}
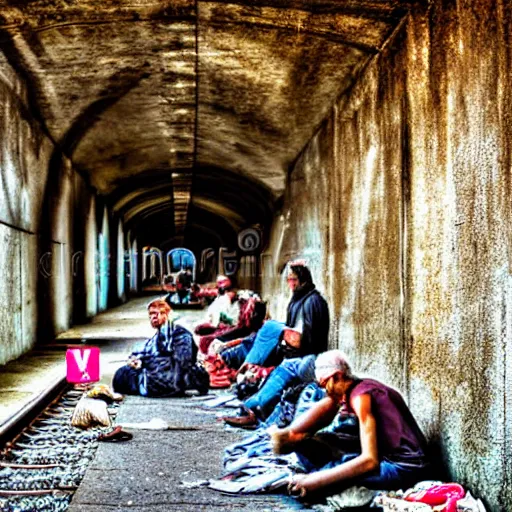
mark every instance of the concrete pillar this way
{"type": "Point", "coordinates": [60, 281]}
{"type": "Point", "coordinates": [91, 251]}
{"type": "Point", "coordinates": [120, 267]}
{"type": "Point", "coordinates": [134, 266]}
{"type": "Point", "coordinates": [103, 262]}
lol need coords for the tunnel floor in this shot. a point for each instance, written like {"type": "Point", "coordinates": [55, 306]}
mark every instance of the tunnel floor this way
{"type": "Point", "coordinates": [24, 379]}
{"type": "Point", "coordinates": [155, 469]}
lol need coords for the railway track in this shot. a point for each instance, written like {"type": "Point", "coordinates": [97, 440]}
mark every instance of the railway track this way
{"type": "Point", "coordinates": [46, 458]}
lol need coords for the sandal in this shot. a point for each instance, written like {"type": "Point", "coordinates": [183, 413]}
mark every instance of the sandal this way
{"type": "Point", "coordinates": [118, 435]}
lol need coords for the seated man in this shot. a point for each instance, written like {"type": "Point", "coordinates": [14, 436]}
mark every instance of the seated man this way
{"type": "Point", "coordinates": [251, 316]}
{"type": "Point", "coordinates": [224, 308]}
{"type": "Point", "coordinates": [392, 448]}
{"type": "Point", "coordinates": [297, 370]}
{"type": "Point", "coordinates": [166, 365]}
{"type": "Point", "coordinates": [181, 294]}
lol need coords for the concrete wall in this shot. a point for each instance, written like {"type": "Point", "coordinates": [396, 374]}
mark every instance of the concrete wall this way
{"type": "Point", "coordinates": [402, 204]}
{"type": "Point", "coordinates": [24, 156]}
{"type": "Point", "coordinates": [460, 259]}
{"type": "Point", "coordinates": [38, 191]}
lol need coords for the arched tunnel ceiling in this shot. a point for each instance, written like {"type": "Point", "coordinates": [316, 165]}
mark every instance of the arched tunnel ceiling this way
{"type": "Point", "coordinates": [147, 97]}
{"type": "Point", "coordinates": [237, 203]}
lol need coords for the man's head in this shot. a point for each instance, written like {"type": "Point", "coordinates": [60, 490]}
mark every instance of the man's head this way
{"type": "Point", "coordinates": [298, 274]}
{"type": "Point", "coordinates": [158, 311]}
{"type": "Point", "coordinates": [223, 284]}
{"type": "Point", "coordinates": [332, 372]}
{"type": "Point", "coordinates": [180, 280]}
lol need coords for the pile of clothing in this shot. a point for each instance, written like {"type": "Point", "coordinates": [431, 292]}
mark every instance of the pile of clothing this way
{"type": "Point", "coordinates": [250, 466]}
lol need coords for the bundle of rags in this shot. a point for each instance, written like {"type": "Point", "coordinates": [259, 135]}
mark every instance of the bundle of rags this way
{"type": "Point", "coordinates": [91, 410]}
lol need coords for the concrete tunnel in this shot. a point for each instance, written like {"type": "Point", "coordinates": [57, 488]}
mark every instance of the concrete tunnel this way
{"type": "Point", "coordinates": [371, 137]}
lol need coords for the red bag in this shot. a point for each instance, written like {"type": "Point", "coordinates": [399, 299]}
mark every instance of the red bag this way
{"type": "Point", "coordinates": [221, 376]}
{"type": "Point", "coordinates": [444, 494]}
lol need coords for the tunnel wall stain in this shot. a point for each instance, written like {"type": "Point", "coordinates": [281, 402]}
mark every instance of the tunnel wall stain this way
{"type": "Point", "coordinates": [36, 230]}
{"type": "Point", "coordinates": [22, 149]}
{"type": "Point", "coordinates": [401, 202]}
{"type": "Point", "coordinates": [459, 244]}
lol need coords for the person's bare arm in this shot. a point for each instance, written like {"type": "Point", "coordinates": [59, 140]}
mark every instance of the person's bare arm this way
{"type": "Point", "coordinates": [367, 461]}
{"type": "Point", "coordinates": [320, 415]}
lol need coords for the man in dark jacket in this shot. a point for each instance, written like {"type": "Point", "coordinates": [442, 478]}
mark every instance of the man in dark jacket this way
{"type": "Point", "coordinates": [166, 365]}
{"type": "Point", "coordinates": [307, 312]}
{"type": "Point", "coordinates": [308, 316]}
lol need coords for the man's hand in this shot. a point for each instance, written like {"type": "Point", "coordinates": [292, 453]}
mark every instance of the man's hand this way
{"type": "Point", "coordinates": [134, 362]}
{"type": "Point", "coordinates": [300, 485]}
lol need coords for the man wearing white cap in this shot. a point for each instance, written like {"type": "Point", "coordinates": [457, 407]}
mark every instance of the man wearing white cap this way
{"type": "Point", "coordinates": [392, 446]}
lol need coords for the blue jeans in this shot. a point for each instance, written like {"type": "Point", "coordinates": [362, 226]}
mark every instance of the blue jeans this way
{"type": "Point", "coordinates": [267, 339]}
{"type": "Point", "coordinates": [234, 357]}
{"type": "Point", "coordinates": [289, 373]}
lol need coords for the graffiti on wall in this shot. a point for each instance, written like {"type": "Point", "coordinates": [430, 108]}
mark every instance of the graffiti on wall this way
{"type": "Point", "coordinates": [156, 266]}
{"type": "Point", "coordinates": [158, 269]}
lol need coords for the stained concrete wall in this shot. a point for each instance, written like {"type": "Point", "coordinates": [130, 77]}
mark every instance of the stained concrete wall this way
{"type": "Point", "coordinates": [460, 258]}
{"type": "Point", "coordinates": [38, 191]}
{"type": "Point", "coordinates": [24, 156]}
{"type": "Point", "coordinates": [402, 204]}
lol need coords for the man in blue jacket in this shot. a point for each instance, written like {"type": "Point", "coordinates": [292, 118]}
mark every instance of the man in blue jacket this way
{"type": "Point", "coordinates": [166, 365]}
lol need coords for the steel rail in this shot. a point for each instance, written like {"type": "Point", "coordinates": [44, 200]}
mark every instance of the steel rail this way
{"type": "Point", "coordinates": [22, 419]}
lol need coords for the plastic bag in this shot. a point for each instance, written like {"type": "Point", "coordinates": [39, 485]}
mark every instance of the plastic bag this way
{"type": "Point", "coordinates": [444, 494]}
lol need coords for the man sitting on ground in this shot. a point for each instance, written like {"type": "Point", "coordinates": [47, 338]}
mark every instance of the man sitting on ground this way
{"type": "Point", "coordinates": [166, 365]}
{"type": "Point", "coordinates": [224, 308]}
{"type": "Point", "coordinates": [392, 448]}
{"type": "Point", "coordinates": [306, 335]}
{"type": "Point", "coordinates": [258, 407]}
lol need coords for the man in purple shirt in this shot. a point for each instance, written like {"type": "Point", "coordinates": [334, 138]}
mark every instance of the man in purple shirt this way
{"type": "Point", "coordinates": [390, 448]}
